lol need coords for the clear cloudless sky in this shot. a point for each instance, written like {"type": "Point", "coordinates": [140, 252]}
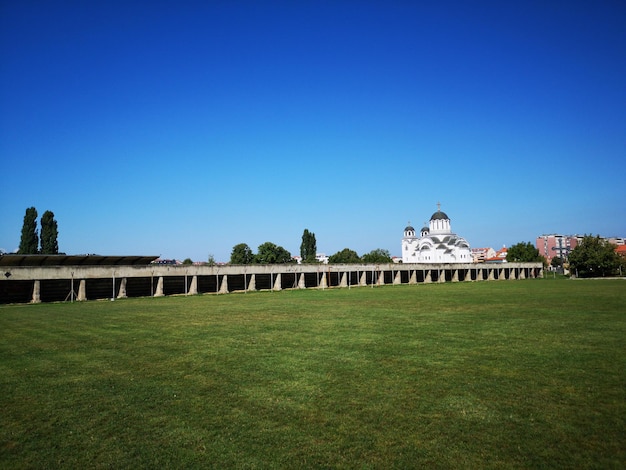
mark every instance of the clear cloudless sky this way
{"type": "Point", "coordinates": [184, 128]}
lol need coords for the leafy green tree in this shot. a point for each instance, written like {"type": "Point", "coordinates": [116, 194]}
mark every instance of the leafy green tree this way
{"type": "Point", "coordinates": [523, 253]}
{"type": "Point", "coordinates": [49, 234]}
{"type": "Point", "coordinates": [345, 256]}
{"type": "Point", "coordinates": [187, 261]}
{"type": "Point", "coordinates": [29, 242]}
{"type": "Point", "coordinates": [241, 254]}
{"type": "Point", "coordinates": [593, 257]}
{"type": "Point", "coordinates": [377, 256]}
{"type": "Point", "coordinates": [269, 253]}
{"type": "Point", "coordinates": [211, 260]}
{"type": "Point", "coordinates": [557, 262]}
{"type": "Point", "coordinates": [308, 247]}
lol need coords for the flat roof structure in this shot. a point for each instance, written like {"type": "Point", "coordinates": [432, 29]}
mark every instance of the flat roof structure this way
{"type": "Point", "coordinates": [74, 260]}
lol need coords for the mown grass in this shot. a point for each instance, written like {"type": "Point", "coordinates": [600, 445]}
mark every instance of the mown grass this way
{"type": "Point", "coordinates": [515, 374]}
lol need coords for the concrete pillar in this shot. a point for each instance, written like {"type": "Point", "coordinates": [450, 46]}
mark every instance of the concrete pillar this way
{"type": "Point", "coordinates": [490, 277]}
{"type": "Point", "coordinates": [301, 281]}
{"type": "Point", "coordinates": [252, 283]}
{"type": "Point", "coordinates": [36, 293]}
{"type": "Point", "coordinates": [501, 276]}
{"type": "Point", "coordinates": [159, 287]}
{"type": "Point", "coordinates": [413, 278]}
{"type": "Point", "coordinates": [397, 279]}
{"type": "Point", "coordinates": [323, 283]}
{"type": "Point", "coordinates": [344, 280]}
{"type": "Point", "coordinates": [224, 285]}
{"type": "Point", "coordinates": [513, 273]}
{"type": "Point", "coordinates": [381, 278]}
{"type": "Point", "coordinates": [277, 282]}
{"type": "Point", "coordinates": [455, 275]}
{"type": "Point", "coordinates": [427, 277]}
{"type": "Point", "coordinates": [363, 279]}
{"type": "Point", "coordinates": [82, 291]}
{"type": "Point", "coordinates": [522, 273]}
{"type": "Point", "coordinates": [193, 288]}
{"type": "Point", "coordinates": [122, 292]}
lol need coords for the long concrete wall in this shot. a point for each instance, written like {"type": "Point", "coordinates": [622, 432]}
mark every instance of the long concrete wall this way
{"type": "Point", "coordinates": [59, 283]}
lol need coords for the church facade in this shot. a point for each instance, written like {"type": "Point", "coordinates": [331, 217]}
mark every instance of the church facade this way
{"type": "Point", "coordinates": [435, 243]}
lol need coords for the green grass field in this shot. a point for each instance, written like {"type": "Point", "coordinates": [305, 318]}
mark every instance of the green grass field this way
{"type": "Point", "coordinates": [512, 374]}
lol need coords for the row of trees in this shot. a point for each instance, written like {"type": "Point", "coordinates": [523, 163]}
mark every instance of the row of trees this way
{"type": "Point", "coordinates": [592, 257]}
{"type": "Point", "coordinates": [269, 253]}
{"type": "Point", "coordinates": [29, 241]}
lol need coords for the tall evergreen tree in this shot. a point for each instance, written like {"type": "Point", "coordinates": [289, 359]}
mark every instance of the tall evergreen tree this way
{"type": "Point", "coordinates": [29, 242]}
{"type": "Point", "coordinates": [49, 234]}
{"type": "Point", "coordinates": [308, 247]}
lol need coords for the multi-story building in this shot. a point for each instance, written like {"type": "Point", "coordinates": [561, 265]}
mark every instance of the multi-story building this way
{"type": "Point", "coordinates": [554, 245]}
{"type": "Point", "coordinates": [479, 255]}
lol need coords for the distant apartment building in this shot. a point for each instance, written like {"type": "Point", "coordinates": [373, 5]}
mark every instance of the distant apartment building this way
{"type": "Point", "coordinates": [479, 255]}
{"type": "Point", "coordinates": [551, 246]}
{"type": "Point", "coordinates": [554, 245]}
{"type": "Point", "coordinates": [499, 257]}
{"type": "Point", "coordinates": [618, 241]}
{"type": "Point", "coordinates": [319, 257]}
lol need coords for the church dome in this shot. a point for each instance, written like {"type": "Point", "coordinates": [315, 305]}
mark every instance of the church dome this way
{"type": "Point", "coordinates": [409, 229]}
{"type": "Point", "coordinates": [439, 216]}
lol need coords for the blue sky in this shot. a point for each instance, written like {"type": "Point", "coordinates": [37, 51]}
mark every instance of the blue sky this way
{"type": "Point", "coordinates": [183, 128]}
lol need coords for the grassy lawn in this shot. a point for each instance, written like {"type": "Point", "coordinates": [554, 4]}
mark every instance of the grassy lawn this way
{"type": "Point", "coordinates": [515, 374]}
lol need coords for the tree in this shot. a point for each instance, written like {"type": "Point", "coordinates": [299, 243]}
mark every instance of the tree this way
{"type": "Point", "coordinates": [308, 247]}
{"type": "Point", "coordinates": [377, 256]}
{"type": "Point", "coordinates": [241, 254]}
{"type": "Point", "coordinates": [187, 261]}
{"type": "Point", "coordinates": [49, 234]}
{"type": "Point", "coordinates": [211, 260]}
{"type": "Point", "coordinates": [593, 257]}
{"type": "Point", "coordinates": [345, 256]}
{"type": "Point", "coordinates": [523, 253]}
{"type": "Point", "coordinates": [269, 253]}
{"type": "Point", "coordinates": [557, 262]}
{"type": "Point", "coordinates": [29, 243]}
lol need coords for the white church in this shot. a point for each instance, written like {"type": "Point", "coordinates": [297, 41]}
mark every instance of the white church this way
{"type": "Point", "coordinates": [435, 243]}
